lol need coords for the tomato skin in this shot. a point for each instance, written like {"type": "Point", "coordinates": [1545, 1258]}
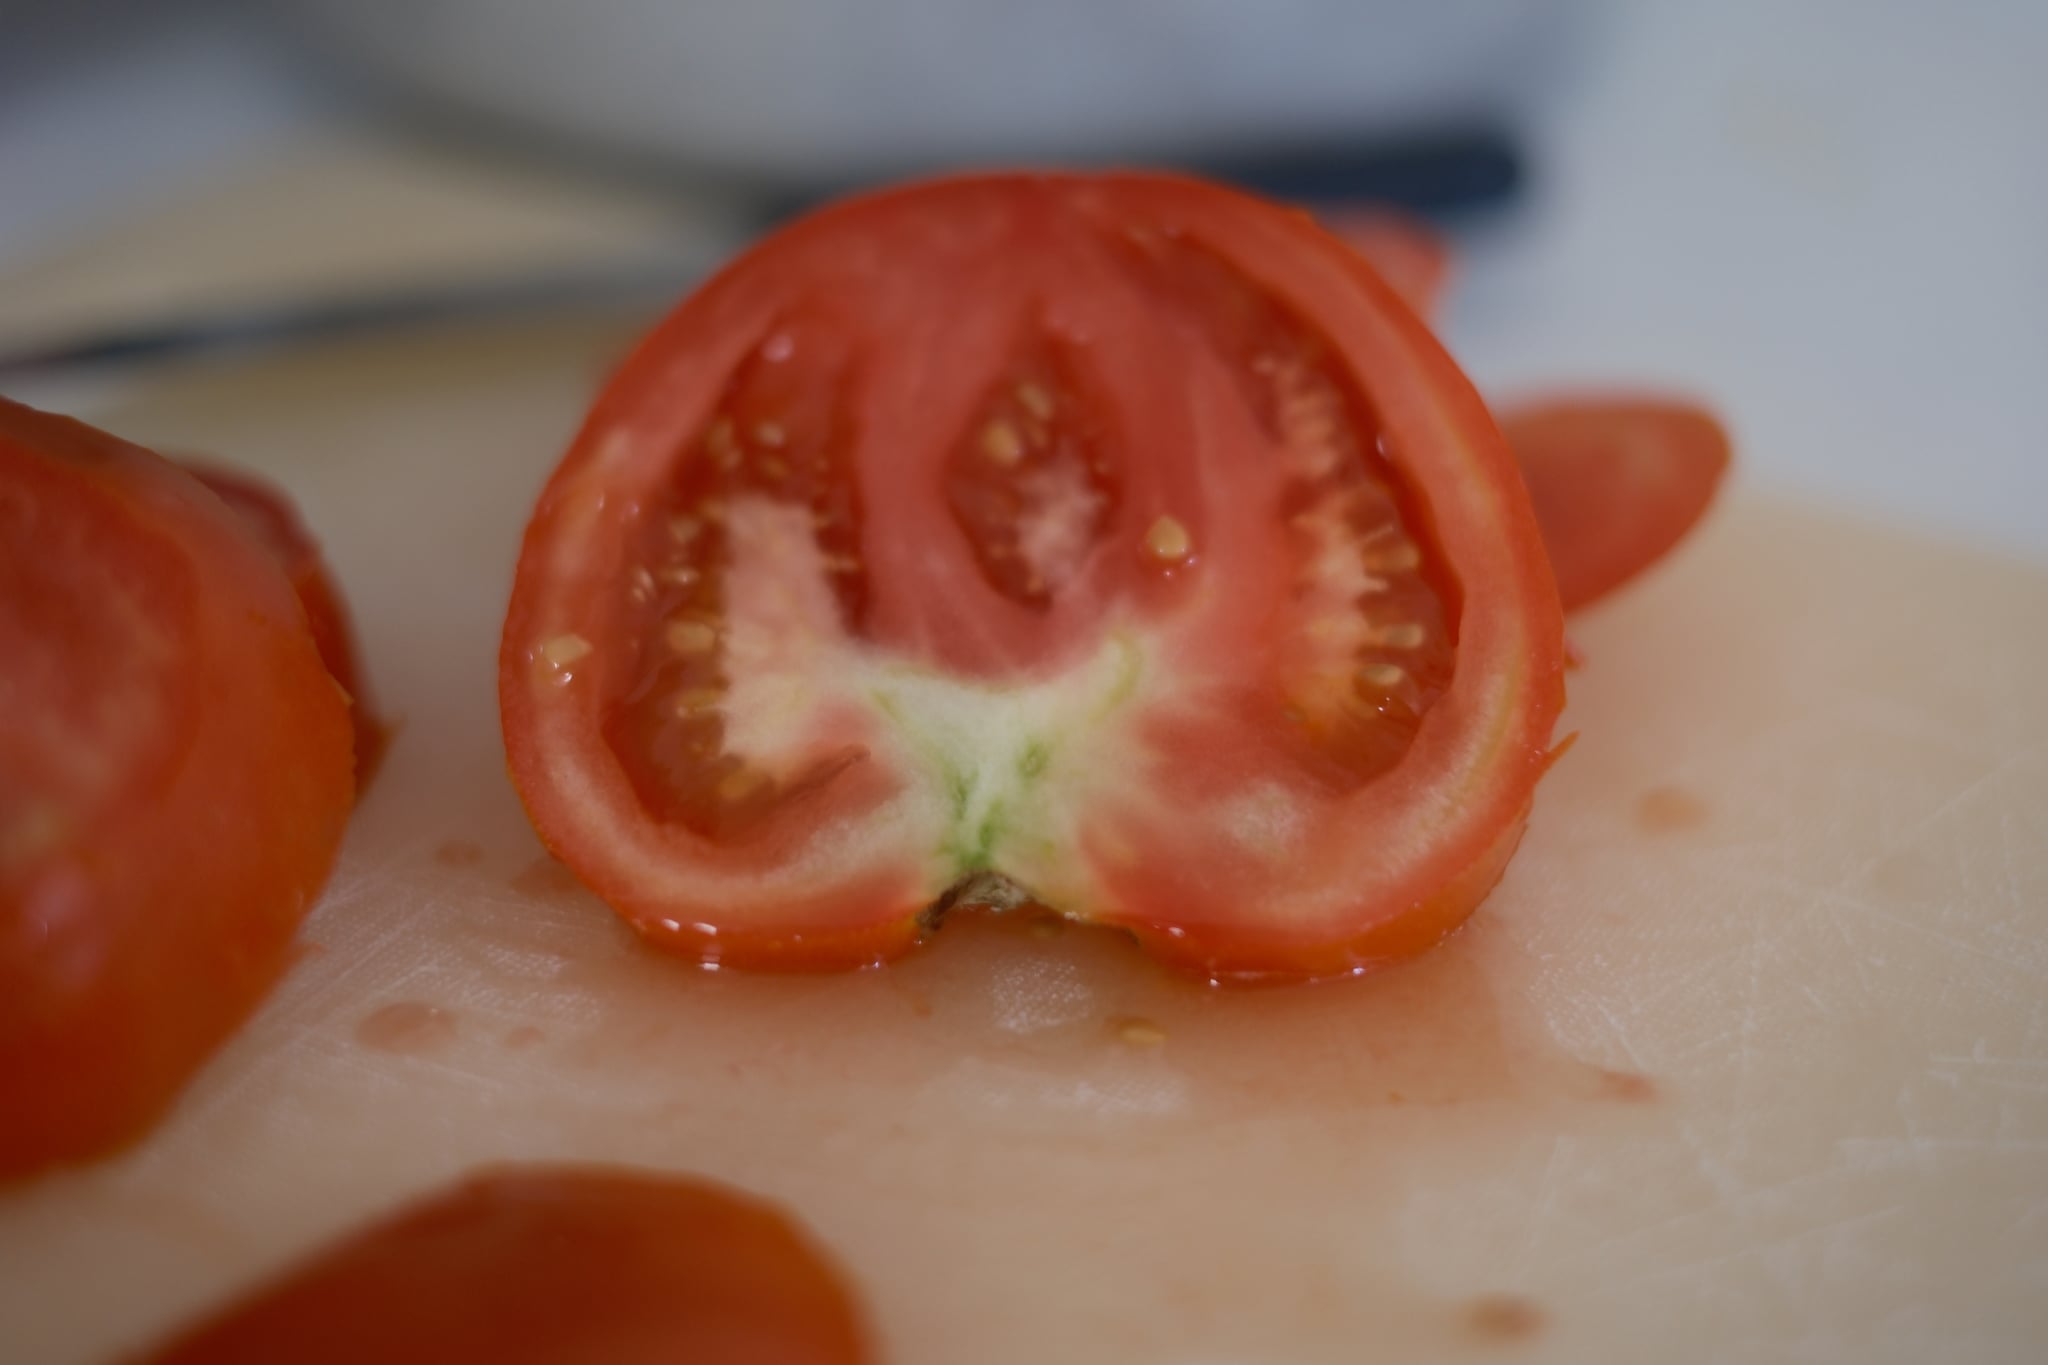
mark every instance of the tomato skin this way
{"type": "Point", "coordinates": [1617, 481]}
{"type": "Point", "coordinates": [269, 513]}
{"type": "Point", "coordinates": [175, 774]}
{"type": "Point", "coordinates": [1383, 871]}
{"type": "Point", "coordinates": [536, 1266]}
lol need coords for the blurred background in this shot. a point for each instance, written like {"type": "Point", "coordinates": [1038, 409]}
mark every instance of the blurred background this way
{"type": "Point", "coordinates": [1829, 218]}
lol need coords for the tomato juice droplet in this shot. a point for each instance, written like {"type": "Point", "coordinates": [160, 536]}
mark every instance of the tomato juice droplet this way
{"type": "Point", "coordinates": [458, 853]}
{"type": "Point", "coordinates": [538, 1266]}
{"type": "Point", "coordinates": [1668, 810]}
{"type": "Point", "coordinates": [1504, 1319]}
{"type": "Point", "coordinates": [1051, 539]}
{"type": "Point", "coordinates": [407, 1027]}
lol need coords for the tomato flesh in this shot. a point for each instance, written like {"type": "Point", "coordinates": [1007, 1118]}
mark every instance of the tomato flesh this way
{"type": "Point", "coordinates": [536, 1266]}
{"type": "Point", "coordinates": [174, 778]}
{"type": "Point", "coordinates": [1120, 544]}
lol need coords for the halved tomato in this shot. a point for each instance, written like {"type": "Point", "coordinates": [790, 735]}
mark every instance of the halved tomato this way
{"type": "Point", "coordinates": [175, 772]}
{"type": "Point", "coordinates": [538, 1266]}
{"type": "Point", "coordinates": [269, 513]}
{"type": "Point", "coordinates": [1119, 544]}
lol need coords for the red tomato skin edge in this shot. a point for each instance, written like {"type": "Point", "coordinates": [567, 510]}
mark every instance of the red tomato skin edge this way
{"type": "Point", "coordinates": [99, 1064]}
{"type": "Point", "coordinates": [892, 926]}
{"type": "Point", "coordinates": [285, 533]}
{"type": "Point", "coordinates": [1223, 958]}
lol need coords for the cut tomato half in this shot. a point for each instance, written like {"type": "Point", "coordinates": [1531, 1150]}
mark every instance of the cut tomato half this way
{"type": "Point", "coordinates": [1119, 544]}
{"type": "Point", "coordinates": [269, 513]}
{"type": "Point", "coordinates": [175, 773]}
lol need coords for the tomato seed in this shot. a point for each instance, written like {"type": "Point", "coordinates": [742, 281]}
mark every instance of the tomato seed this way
{"type": "Point", "coordinates": [691, 637]}
{"type": "Point", "coordinates": [1404, 635]}
{"type": "Point", "coordinates": [563, 650]}
{"type": "Point", "coordinates": [693, 700]}
{"type": "Point", "coordinates": [1001, 443]}
{"type": "Point", "coordinates": [1168, 541]}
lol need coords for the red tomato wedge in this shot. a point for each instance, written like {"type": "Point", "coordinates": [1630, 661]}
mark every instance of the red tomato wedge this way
{"type": "Point", "coordinates": [1119, 544]}
{"type": "Point", "coordinates": [174, 778]}
{"type": "Point", "coordinates": [269, 513]}
{"type": "Point", "coordinates": [1617, 482]}
{"type": "Point", "coordinates": [545, 1266]}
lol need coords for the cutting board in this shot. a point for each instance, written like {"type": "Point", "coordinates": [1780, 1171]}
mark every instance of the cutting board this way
{"type": "Point", "coordinates": [1745, 1060]}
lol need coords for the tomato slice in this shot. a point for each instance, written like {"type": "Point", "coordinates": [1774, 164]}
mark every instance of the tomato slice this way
{"type": "Point", "coordinates": [1119, 544]}
{"type": "Point", "coordinates": [269, 513]}
{"type": "Point", "coordinates": [1617, 482]}
{"type": "Point", "coordinates": [527, 1266]}
{"type": "Point", "coordinates": [174, 778]}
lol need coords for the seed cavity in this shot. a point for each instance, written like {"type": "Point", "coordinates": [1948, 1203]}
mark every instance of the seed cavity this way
{"type": "Point", "coordinates": [1383, 676]}
{"type": "Point", "coordinates": [1168, 541]}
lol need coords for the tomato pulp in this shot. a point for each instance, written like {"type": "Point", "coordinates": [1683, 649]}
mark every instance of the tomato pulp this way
{"type": "Point", "coordinates": [175, 773]}
{"type": "Point", "coordinates": [534, 1266]}
{"type": "Point", "coordinates": [1119, 544]}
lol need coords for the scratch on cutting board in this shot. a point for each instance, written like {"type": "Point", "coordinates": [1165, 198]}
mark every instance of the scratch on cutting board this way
{"type": "Point", "coordinates": [1832, 1231]}
{"type": "Point", "coordinates": [1915, 833]}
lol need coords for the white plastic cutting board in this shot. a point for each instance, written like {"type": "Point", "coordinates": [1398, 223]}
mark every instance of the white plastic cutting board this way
{"type": "Point", "coordinates": [1746, 1059]}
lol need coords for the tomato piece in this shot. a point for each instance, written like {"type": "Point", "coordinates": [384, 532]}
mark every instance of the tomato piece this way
{"type": "Point", "coordinates": [1617, 482]}
{"type": "Point", "coordinates": [535, 1266]}
{"type": "Point", "coordinates": [269, 513]}
{"type": "Point", "coordinates": [1119, 544]}
{"type": "Point", "coordinates": [174, 779]}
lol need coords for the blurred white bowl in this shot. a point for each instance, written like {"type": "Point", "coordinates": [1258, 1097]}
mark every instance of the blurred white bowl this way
{"type": "Point", "coordinates": [810, 90]}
